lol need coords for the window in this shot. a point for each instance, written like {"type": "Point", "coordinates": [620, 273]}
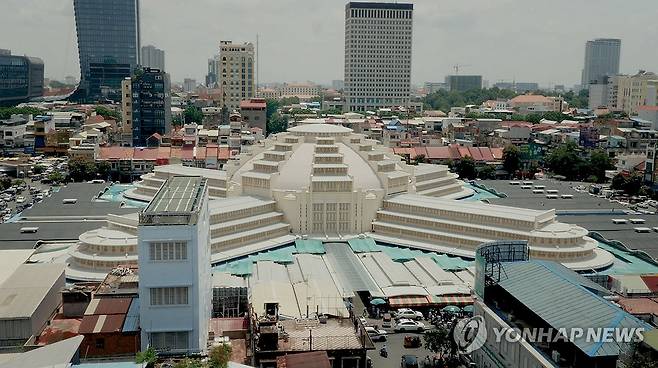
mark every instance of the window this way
{"type": "Point", "coordinates": [170, 340]}
{"type": "Point", "coordinates": [168, 251]}
{"type": "Point", "coordinates": [169, 296]}
{"type": "Point", "coordinates": [100, 343]}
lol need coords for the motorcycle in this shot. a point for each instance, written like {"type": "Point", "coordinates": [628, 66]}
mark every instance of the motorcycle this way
{"type": "Point", "coordinates": [383, 352]}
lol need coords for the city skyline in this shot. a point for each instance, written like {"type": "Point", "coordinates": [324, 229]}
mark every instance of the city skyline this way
{"type": "Point", "coordinates": [445, 34]}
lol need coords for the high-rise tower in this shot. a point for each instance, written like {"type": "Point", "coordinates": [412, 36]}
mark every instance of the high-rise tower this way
{"type": "Point", "coordinates": [601, 60]}
{"type": "Point", "coordinates": [378, 39]}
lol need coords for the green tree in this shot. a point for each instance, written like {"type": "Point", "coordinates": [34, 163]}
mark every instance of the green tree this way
{"type": "Point", "coordinates": [193, 114]}
{"type": "Point", "coordinates": [7, 112]}
{"type": "Point", "coordinates": [5, 182]}
{"type": "Point", "coordinates": [565, 160]}
{"type": "Point", "coordinates": [107, 113]}
{"type": "Point", "coordinates": [219, 356]}
{"type": "Point", "coordinates": [511, 159]}
{"type": "Point", "coordinates": [272, 107]}
{"type": "Point", "coordinates": [56, 177]}
{"type": "Point", "coordinates": [103, 169]}
{"type": "Point", "coordinates": [277, 124]}
{"type": "Point", "coordinates": [148, 357]}
{"type": "Point", "coordinates": [438, 341]}
{"type": "Point", "coordinates": [420, 159]}
{"type": "Point", "coordinates": [487, 172]}
{"type": "Point", "coordinates": [599, 162]}
{"type": "Point", "coordinates": [81, 169]}
{"type": "Point", "coordinates": [465, 167]}
{"type": "Point", "coordinates": [38, 169]}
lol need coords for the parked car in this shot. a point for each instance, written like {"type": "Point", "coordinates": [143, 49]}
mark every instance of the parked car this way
{"type": "Point", "coordinates": [409, 361]}
{"type": "Point", "coordinates": [6, 217]}
{"type": "Point", "coordinates": [408, 314]}
{"type": "Point", "coordinates": [20, 200]}
{"type": "Point", "coordinates": [409, 325]}
{"type": "Point", "coordinates": [375, 334]}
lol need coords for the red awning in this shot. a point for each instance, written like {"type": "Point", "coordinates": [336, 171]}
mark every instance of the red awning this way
{"type": "Point", "coordinates": [408, 301]}
{"type": "Point", "coordinates": [452, 300]}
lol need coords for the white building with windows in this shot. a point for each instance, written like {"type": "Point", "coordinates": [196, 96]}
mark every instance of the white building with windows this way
{"type": "Point", "coordinates": [378, 38]}
{"type": "Point", "coordinates": [174, 267]}
{"type": "Point", "coordinates": [236, 73]}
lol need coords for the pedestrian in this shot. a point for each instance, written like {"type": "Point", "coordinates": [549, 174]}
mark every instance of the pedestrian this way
{"type": "Point", "coordinates": [365, 312]}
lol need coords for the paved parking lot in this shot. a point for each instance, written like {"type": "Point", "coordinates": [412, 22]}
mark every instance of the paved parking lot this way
{"type": "Point", "coordinates": [583, 209]}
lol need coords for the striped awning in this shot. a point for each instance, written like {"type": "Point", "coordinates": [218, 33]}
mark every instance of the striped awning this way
{"type": "Point", "coordinates": [408, 301]}
{"type": "Point", "coordinates": [452, 300]}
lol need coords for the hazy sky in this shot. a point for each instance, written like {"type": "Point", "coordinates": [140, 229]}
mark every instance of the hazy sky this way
{"type": "Point", "coordinates": [530, 40]}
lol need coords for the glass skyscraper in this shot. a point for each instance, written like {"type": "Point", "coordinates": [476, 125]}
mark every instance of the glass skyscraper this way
{"type": "Point", "coordinates": [21, 78]}
{"type": "Point", "coordinates": [601, 60]}
{"type": "Point", "coordinates": [108, 45]}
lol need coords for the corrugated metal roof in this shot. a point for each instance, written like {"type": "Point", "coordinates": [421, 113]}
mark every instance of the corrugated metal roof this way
{"type": "Point", "coordinates": [101, 323]}
{"type": "Point", "coordinates": [557, 298]}
{"type": "Point", "coordinates": [131, 323]}
{"type": "Point", "coordinates": [26, 288]}
{"type": "Point", "coordinates": [351, 273]}
{"type": "Point", "coordinates": [108, 306]}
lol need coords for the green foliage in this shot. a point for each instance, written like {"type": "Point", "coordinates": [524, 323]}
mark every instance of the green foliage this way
{"type": "Point", "coordinates": [444, 100]}
{"type": "Point", "coordinates": [38, 169]}
{"type": "Point", "coordinates": [193, 114]}
{"type": "Point", "coordinates": [511, 159]}
{"type": "Point", "coordinates": [333, 111]}
{"type": "Point", "coordinates": [189, 363]}
{"type": "Point", "coordinates": [420, 159]}
{"type": "Point", "coordinates": [148, 356]}
{"type": "Point", "coordinates": [17, 182]}
{"type": "Point", "coordinates": [56, 177]}
{"type": "Point", "coordinates": [487, 172]}
{"type": "Point", "coordinates": [107, 113]}
{"type": "Point", "coordinates": [599, 162]}
{"type": "Point", "coordinates": [177, 121]}
{"type": "Point", "coordinates": [566, 160]}
{"type": "Point", "coordinates": [81, 169]}
{"type": "Point", "coordinates": [277, 124]}
{"type": "Point", "coordinates": [465, 168]}
{"type": "Point", "coordinates": [631, 185]}
{"type": "Point", "coordinates": [219, 356]}
{"type": "Point", "coordinates": [285, 101]}
{"type": "Point", "coordinates": [7, 112]}
{"type": "Point", "coordinates": [5, 182]}
{"type": "Point", "coordinates": [438, 341]}
{"type": "Point", "coordinates": [103, 169]}
{"type": "Point", "coordinates": [272, 107]}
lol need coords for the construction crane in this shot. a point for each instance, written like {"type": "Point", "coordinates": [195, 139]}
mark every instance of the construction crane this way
{"type": "Point", "coordinates": [459, 66]}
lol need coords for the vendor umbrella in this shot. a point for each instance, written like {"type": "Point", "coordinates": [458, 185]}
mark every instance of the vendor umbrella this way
{"type": "Point", "coordinates": [451, 309]}
{"type": "Point", "coordinates": [378, 301]}
{"type": "Point", "coordinates": [468, 309]}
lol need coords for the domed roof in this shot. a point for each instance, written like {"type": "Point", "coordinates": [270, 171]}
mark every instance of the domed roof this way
{"type": "Point", "coordinates": [295, 173]}
{"type": "Point", "coordinates": [320, 128]}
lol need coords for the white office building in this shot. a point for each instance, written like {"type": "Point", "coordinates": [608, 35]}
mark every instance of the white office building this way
{"type": "Point", "coordinates": [174, 267]}
{"type": "Point", "coordinates": [153, 57]}
{"type": "Point", "coordinates": [378, 39]}
{"type": "Point", "coordinates": [236, 74]}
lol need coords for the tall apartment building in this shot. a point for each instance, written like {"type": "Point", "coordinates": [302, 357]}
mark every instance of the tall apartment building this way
{"type": "Point", "coordinates": [149, 104]}
{"type": "Point", "coordinates": [601, 60]}
{"type": "Point", "coordinates": [236, 74]}
{"type": "Point", "coordinates": [108, 46]}
{"type": "Point", "coordinates": [189, 85]}
{"type": "Point", "coordinates": [174, 267]}
{"type": "Point", "coordinates": [153, 57]}
{"type": "Point", "coordinates": [21, 78]}
{"type": "Point", "coordinates": [378, 39]}
{"type": "Point", "coordinates": [628, 92]}
{"type": "Point", "coordinates": [126, 130]}
{"type": "Point", "coordinates": [212, 78]}
{"type": "Point", "coordinates": [463, 82]}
